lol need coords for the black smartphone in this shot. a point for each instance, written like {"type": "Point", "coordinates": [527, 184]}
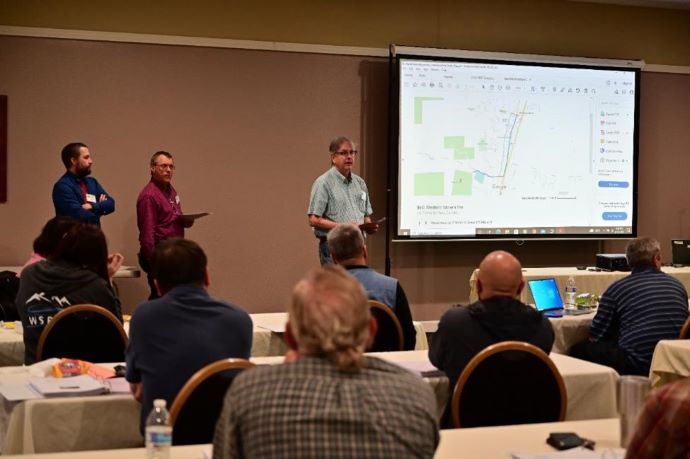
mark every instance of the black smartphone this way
{"type": "Point", "coordinates": [564, 440]}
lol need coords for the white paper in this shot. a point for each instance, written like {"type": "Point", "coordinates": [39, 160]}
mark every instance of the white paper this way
{"type": "Point", "coordinates": [18, 392]}
{"type": "Point", "coordinates": [195, 216]}
{"type": "Point", "coordinates": [65, 387]}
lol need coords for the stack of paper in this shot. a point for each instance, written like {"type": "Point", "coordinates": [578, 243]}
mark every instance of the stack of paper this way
{"type": "Point", "coordinates": [65, 387]}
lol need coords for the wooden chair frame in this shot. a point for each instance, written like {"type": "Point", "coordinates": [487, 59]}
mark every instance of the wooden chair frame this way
{"type": "Point", "coordinates": [77, 308]}
{"type": "Point", "coordinates": [685, 331]}
{"type": "Point", "coordinates": [201, 376]}
{"type": "Point", "coordinates": [495, 349]}
{"type": "Point", "coordinates": [373, 304]}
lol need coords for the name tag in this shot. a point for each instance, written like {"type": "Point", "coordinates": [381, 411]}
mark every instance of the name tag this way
{"type": "Point", "coordinates": [364, 196]}
{"type": "Point", "coordinates": [90, 198]}
{"type": "Point", "coordinates": [177, 199]}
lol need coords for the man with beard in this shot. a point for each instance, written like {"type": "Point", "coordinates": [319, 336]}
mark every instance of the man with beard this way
{"type": "Point", "coordinates": [76, 194]}
{"type": "Point", "coordinates": [159, 213]}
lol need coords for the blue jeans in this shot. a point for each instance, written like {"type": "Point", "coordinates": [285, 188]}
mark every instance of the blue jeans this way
{"type": "Point", "coordinates": [324, 254]}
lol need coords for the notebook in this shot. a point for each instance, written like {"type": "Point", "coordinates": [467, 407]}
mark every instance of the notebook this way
{"type": "Point", "coordinates": [546, 296]}
{"type": "Point", "coordinates": [680, 251]}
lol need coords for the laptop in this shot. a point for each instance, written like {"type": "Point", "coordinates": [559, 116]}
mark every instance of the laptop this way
{"type": "Point", "coordinates": [547, 298]}
{"type": "Point", "coordinates": [680, 251]}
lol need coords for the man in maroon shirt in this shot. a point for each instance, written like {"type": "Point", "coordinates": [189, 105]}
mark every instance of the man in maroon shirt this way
{"type": "Point", "coordinates": [159, 213]}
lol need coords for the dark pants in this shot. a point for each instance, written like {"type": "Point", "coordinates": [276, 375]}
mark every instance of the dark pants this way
{"type": "Point", "coordinates": [324, 254]}
{"type": "Point", "coordinates": [146, 266]}
{"type": "Point", "coordinates": [606, 353]}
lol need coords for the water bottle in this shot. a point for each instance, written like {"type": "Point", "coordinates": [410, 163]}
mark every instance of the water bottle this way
{"type": "Point", "coordinates": [570, 293]}
{"type": "Point", "coordinates": [158, 431]}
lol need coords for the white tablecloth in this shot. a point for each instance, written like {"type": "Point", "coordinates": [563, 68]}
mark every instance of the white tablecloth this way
{"type": "Point", "coordinates": [499, 442]}
{"type": "Point", "coordinates": [671, 361]}
{"type": "Point", "coordinates": [586, 281]}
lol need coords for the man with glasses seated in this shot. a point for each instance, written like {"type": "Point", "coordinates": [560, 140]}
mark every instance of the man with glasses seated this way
{"type": "Point", "coordinates": [338, 196]}
{"type": "Point", "coordinates": [159, 212]}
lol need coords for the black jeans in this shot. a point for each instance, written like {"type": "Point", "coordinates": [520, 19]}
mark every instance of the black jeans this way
{"type": "Point", "coordinates": [606, 353]}
{"type": "Point", "coordinates": [146, 266]}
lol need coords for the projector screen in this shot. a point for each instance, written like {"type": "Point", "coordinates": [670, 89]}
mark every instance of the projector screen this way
{"type": "Point", "coordinates": [492, 148]}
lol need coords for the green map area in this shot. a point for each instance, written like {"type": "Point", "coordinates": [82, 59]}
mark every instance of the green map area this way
{"type": "Point", "coordinates": [419, 105]}
{"type": "Point", "coordinates": [457, 143]}
{"type": "Point", "coordinates": [428, 184]}
{"type": "Point", "coordinates": [462, 183]}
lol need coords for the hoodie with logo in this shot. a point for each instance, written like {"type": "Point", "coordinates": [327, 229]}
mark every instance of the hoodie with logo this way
{"type": "Point", "coordinates": [47, 287]}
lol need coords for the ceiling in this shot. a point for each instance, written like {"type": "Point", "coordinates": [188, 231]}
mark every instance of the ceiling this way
{"type": "Point", "coordinates": [674, 4]}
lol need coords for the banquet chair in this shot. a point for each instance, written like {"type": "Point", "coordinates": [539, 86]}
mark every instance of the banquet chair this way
{"type": "Point", "coordinates": [389, 336]}
{"type": "Point", "coordinates": [508, 383]}
{"type": "Point", "coordinates": [685, 331]}
{"type": "Point", "coordinates": [196, 408]}
{"type": "Point", "coordinates": [85, 332]}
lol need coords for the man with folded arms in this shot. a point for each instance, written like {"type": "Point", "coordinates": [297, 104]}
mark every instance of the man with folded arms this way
{"type": "Point", "coordinates": [328, 399]}
{"type": "Point", "coordinates": [347, 247]}
{"type": "Point", "coordinates": [338, 196]}
{"type": "Point", "coordinates": [174, 336]}
{"type": "Point", "coordinates": [635, 313]}
{"type": "Point", "coordinates": [498, 316]}
{"type": "Point", "coordinates": [77, 195]}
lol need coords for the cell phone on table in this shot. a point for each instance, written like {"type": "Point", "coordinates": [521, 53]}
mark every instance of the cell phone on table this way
{"type": "Point", "coordinates": [567, 440]}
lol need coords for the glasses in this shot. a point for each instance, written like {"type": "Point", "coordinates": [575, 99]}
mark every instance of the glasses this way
{"type": "Point", "coordinates": [166, 166]}
{"type": "Point", "coordinates": [346, 153]}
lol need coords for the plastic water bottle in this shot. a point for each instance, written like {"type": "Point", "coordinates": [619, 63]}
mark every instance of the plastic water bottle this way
{"type": "Point", "coordinates": [570, 293]}
{"type": "Point", "coordinates": [158, 431]}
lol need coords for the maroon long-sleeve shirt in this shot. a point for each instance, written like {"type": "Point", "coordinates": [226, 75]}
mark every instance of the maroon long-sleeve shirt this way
{"type": "Point", "coordinates": [158, 212]}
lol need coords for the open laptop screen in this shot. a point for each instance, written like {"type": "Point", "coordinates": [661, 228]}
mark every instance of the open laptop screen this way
{"type": "Point", "coordinates": [545, 293]}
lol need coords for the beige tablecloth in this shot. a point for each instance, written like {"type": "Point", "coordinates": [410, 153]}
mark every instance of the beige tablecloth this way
{"type": "Point", "coordinates": [671, 361]}
{"type": "Point", "coordinates": [176, 452]}
{"type": "Point", "coordinates": [586, 281]}
{"type": "Point", "coordinates": [591, 388]}
{"type": "Point", "coordinates": [499, 442]}
{"type": "Point", "coordinates": [112, 421]}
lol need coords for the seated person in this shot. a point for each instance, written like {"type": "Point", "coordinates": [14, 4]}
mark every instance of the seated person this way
{"type": "Point", "coordinates": [174, 336]}
{"type": "Point", "coordinates": [328, 399]}
{"type": "Point", "coordinates": [635, 313]}
{"type": "Point", "coordinates": [347, 248]}
{"type": "Point", "coordinates": [662, 430]}
{"type": "Point", "coordinates": [76, 273]}
{"type": "Point", "coordinates": [46, 242]}
{"type": "Point", "coordinates": [498, 316]}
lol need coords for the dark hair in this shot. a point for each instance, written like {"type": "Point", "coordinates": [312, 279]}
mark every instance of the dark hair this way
{"type": "Point", "coordinates": [84, 246]}
{"type": "Point", "coordinates": [159, 153]}
{"type": "Point", "coordinates": [178, 261]}
{"type": "Point", "coordinates": [70, 151]}
{"type": "Point", "coordinates": [51, 235]}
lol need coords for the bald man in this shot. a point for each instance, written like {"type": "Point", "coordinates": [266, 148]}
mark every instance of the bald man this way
{"type": "Point", "coordinates": [498, 316]}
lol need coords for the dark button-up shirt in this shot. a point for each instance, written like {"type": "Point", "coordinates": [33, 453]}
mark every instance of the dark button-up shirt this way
{"type": "Point", "coordinates": [68, 199]}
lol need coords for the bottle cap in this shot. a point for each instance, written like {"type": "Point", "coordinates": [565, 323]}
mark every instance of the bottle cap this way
{"type": "Point", "coordinates": [159, 403]}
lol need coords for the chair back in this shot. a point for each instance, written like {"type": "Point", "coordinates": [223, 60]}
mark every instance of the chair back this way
{"type": "Point", "coordinates": [196, 408]}
{"type": "Point", "coordinates": [389, 336]}
{"type": "Point", "coordinates": [685, 331]}
{"type": "Point", "coordinates": [85, 332]}
{"type": "Point", "coordinates": [511, 382]}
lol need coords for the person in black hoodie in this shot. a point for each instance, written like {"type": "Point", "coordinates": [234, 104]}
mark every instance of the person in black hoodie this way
{"type": "Point", "coordinates": [76, 273]}
{"type": "Point", "coordinates": [498, 316]}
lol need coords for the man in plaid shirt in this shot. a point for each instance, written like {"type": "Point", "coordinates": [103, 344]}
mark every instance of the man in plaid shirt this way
{"type": "Point", "coordinates": [328, 400]}
{"type": "Point", "coordinates": [663, 428]}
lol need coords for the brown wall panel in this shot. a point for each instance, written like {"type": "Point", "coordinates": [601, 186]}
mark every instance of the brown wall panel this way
{"type": "Point", "coordinates": [249, 131]}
